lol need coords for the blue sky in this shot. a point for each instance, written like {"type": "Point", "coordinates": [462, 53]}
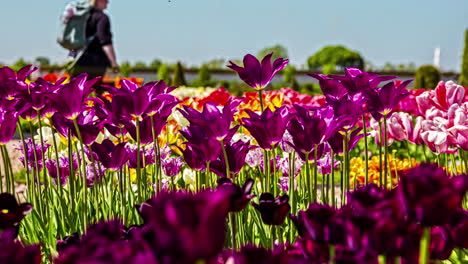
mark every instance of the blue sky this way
{"type": "Point", "coordinates": [196, 31]}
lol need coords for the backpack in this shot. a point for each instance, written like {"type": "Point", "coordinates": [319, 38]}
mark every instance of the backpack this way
{"type": "Point", "coordinates": [72, 35]}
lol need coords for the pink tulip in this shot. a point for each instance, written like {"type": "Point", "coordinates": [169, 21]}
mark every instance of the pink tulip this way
{"type": "Point", "coordinates": [424, 102]}
{"type": "Point", "coordinates": [447, 94]}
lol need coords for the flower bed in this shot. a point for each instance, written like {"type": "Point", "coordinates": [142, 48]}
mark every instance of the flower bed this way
{"type": "Point", "coordinates": [368, 172]}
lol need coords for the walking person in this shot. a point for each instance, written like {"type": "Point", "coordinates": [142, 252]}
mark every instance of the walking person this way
{"type": "Point", "coordinates": [99, 54]}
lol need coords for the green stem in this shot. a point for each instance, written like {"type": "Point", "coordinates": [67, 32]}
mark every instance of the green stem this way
{"type": "Point", "coordinates": [139, 180]}
{"type": "Point", "coordinates": [261, 100]}
{"type": "Point", "coordinates": [157, 170]}
{"type": "Point", "coordinates": [380, 156]}
{"type": "Point", "coordinates": [315, 172]}
{"type": "Point", "coordinates": [424, 246]}
{"type": "Point", "coordinates": [333, 178]}
{"type": "Point", "coordinates": [308, 181]}
{"type": "Point", "coordinates": [83, 176]}
{"type": "Point", "coordinates": [232, 220]}
{"type": "Point", "coordinates": [366, 149]}
{"type": "Point", "coordinates": [226, 161]}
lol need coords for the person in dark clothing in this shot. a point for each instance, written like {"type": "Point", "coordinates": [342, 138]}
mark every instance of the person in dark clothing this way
{"type": "Point", "coordinates": [99, 54]}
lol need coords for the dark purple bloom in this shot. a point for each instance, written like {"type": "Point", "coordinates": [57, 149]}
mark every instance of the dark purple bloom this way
{"type": "Point", "coordinates": [8, 121]}
{"type": "Point", "coordinates": [103, 243]}
{"type": "Point", "coordinates": [239, 197]}
{"type": "Point", "coordinates": [428, 195]}
{"type": "Point", "coordinates": [273, 210]}
{"type": "Point", "coordinates": [184, 227]}
{"type": "Point", "coordinates": [258, 75]}
{"type": "Point", "coordinates": [70, 98]}
{"type": "Point", "coordinates": [313, 223]}
{"type": "Point", "coordinates": [458, 226]}
{"type": "Point", "coordinates": [15, 252]}
{"type": "Point", "coordinates": [258, 255]}
{"type": "Point", "coordinates": [236, 153]}
{"type": "Point", "coordinates": [267, 128]}
{"type": "Point", "coordinates": [11, 213]}
{"type": "Point", "coordinates": [383, 101]}
{"type": "Point", "coordinates": [193, 158]}
{"type": "Point", "coordinates": [111, 156]}
{"type": "Point", "coordinates": [441, 243]}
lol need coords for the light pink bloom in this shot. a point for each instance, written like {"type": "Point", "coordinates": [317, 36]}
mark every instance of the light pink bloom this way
{"type": "Point", "coordinates": [400, 126]}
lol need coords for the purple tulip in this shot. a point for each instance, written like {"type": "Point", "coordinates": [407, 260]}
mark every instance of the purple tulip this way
{"type": "Point", "coordinates": [193, 157]}
{"type": "Point", "coordinates": [236, 153]}
{"type": "Point", "coordinates": [258, 75]}
{"type": "Point", "coordinates": [11, 213]}
{"type": "Point", "coordinates": [171, 166]}
{"type": "Point", "coordinates": [34, 153]}
{"type": "Point", "coordinates": [332, 89]}
{"type": "Point", "coordinates": [147, 157]}
{"type": "Point", "coordinates": [383, 101]}
{"type": "Point", "coordinates": [428, 195]}
{"type": "Point", "coordinates": [309, 130]}
{"type": "Point", "coordinates": [273, 210]}
{"type": "Point", "coordinates": [63, 166]}
{"type": "Point", "coordinates": [13, 83]}
{"type": "Point", "coordinates": [267, 128]}
{"type": "Point", "coordinates": [95, 172]}
{"type": "Point", "coordinates": [356, 81]}
{"type": "Point", "coordinates": [239, 197]}
{"type": "Point", "coordinates": [70, 98]}
{"type": "Point", "coordinates": [214, 124]}
{"type": "Point", "coordinates": [111, 156]}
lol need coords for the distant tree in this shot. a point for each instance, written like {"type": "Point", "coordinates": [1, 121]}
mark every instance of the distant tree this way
{"type": "Point", "coordinates": [125, 69]}
{"type": "Point", "coordinates": [163, 73]}
{"type": "Point", "coordinates": [155, 64]}
{"type": "Point", "coordinates": [335, 58]}
{"type": "Point", "coordinates": [464, 67]}
{"type": "Point", "coordinates": [204, 78]}
{"type": "Point", "coordinates": [411, 67]}
{"type": "Point", "coordinates": [139, 65]}
{"type": "Point", "coordinates": [20, 63]}
{"type": "Point", "coordinates": [279, 51]}
{"type": "Point", "coordinates": [427, 77]}
{"type": "Point", "coordinates": [178, 77]}
{"type": "Point", "coordinates": [43, 61]}
{"type": "Point", "coordinates": [289, 77]}
{"type": "Point", "coordinates": [388, 67]}
{"type": "Point", "coordinates": [215, 64]}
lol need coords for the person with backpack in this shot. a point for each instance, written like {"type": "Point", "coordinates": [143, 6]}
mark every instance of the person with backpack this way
{"type": "Point", "coordinates": [94, 52]}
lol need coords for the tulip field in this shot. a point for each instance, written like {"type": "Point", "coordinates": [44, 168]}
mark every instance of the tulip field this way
{"type": "Point", "coordinates": [369, 171]}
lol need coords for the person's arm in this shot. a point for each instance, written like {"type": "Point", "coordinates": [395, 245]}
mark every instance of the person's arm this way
{"type": "Point", "coordinates": [110, 52]}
